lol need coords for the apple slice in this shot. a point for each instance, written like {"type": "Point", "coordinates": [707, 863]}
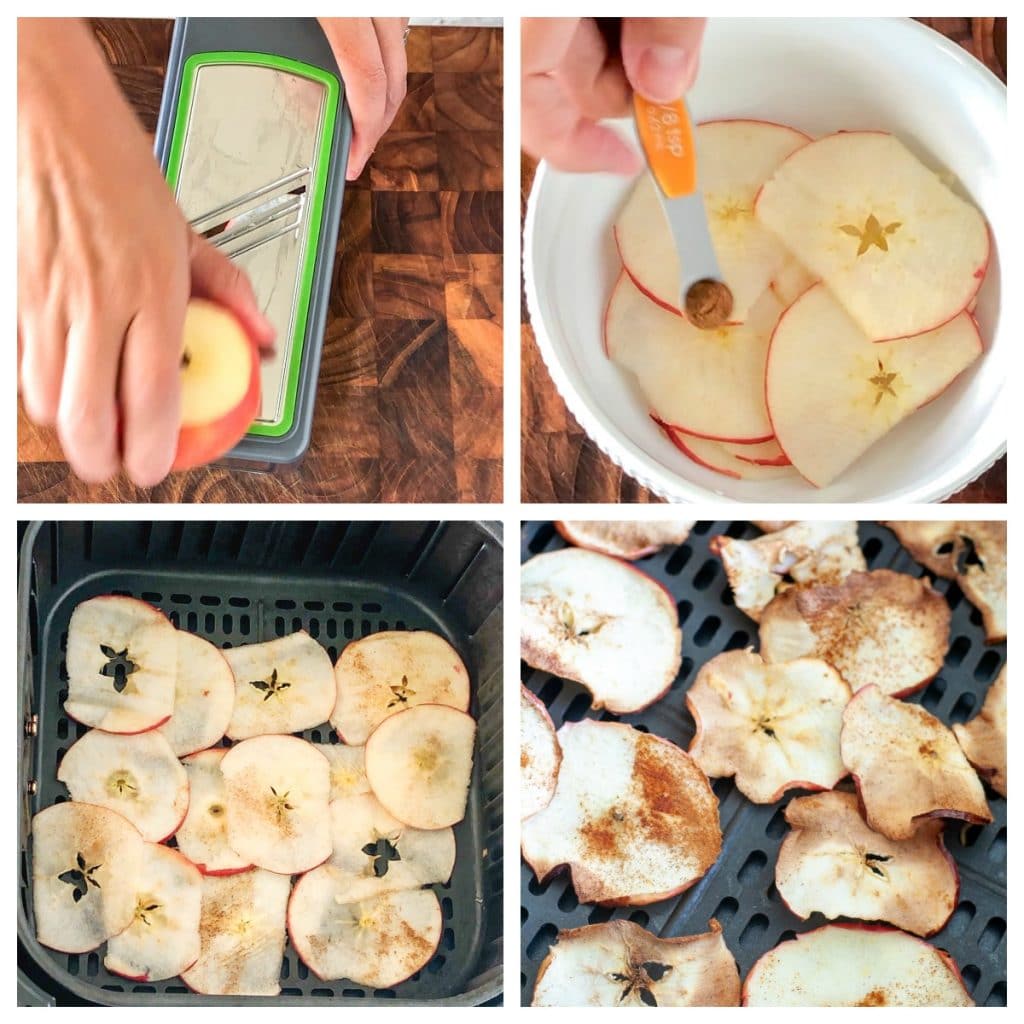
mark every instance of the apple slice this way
{"type": "Point", "coordinates": [973, 554]}
{"type": "Point", "coordinates": [633, 817]}
{"type": "Point", "coordinates": [624, 539]}
{"type": "Point", "coordinates": [716, 456]}
{"type": "Point", "coordinates": [900, 251]}
{"type": "Point", "coordinates": [539, 757]}
{"type": "Point", "coordinates": [122, 659]}
{"type": "Point", "coordinates": [855, 965]}
{"type": "Point", "coordinates": [764, 453]}
{"type": "Point", "coordinates": [277, 789]}
{"type": "Point", "coordinates": [831, 862]}
{"type": "Point", "coordinates": [242, 935]}
{"type": "Point", "coordinates": [348, 769]}
{"type": "Point", "coordinates": [983, 739]}
{"type": "Point", "coordinates": [220, 384]}
{"type": "Point", "coordinates": [774, 727]}
{"type": "Point", "coordinates": [204, 696]}
{"type": "Point", "coordinates": [772, 525]}
{"type": "Point", "coordinates": [284, 685]}
{"type": "Point", "coordinates": [388, 672]}
{"type": "Point", "coordinates": [163, 939]}
{"type": "Point", "coordinates": [419, 763]}
{"type": "Point", "coordinates": [137, 776]}
{"type": "Point", "coordinates": [792, 280]}
{"type": "Point", "coordinates": [735, 158]}
{"type": "Point", "coordinates": [618, 963]}
{"type": "Point", "coordinates": [704, 382]}
{"type": "Point", "coordinates": [878, 627]}
{"type": "Point", "coordinates": [85, 860]}
{"type": "Point", "coordinates": [601, 623]}
{"type": "Point", "coordinates": [378, 942]}
{"type": "Point", "coordinates": [203, 835]}
{"type": "Point", "coordinates": [907, 766]}
{"type": "Point", "coordinates": [812, 552]}
{"type": "Point", "coordinates": [829, 403]}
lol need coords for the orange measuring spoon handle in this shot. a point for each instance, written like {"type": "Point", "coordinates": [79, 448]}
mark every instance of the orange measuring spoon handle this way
{"type": "Point", "coordinates": [667, 138]}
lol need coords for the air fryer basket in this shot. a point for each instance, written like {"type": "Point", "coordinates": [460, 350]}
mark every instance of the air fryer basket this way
{"type": "Point", "coordinates": [739, 889]}
{"type": "Point", "coordinates": [238, 582]}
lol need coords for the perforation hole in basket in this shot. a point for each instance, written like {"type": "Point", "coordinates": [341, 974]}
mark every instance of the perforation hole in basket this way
{"type": "Point", "coordinates": [599, 915]}
{"type": "Point", "coordinates": [961, 918]}
{"type": "Point", "coordinates": [752, 867]}
{"type": "Point", "coordinates": [684, 608]}
{"type": "Point", "coordinates": [678, 559]}
{"type": "Point", "coordinates": [987, 666]}
{"type": "Point", "coordinates": [997, 997]}
{"type": "Point", "coordinates": [958, 650]}
{"type": "Point", "coordinates": [578, 707]}
{"type": "Point", "coordinates": [963, 708]}
{"type": "Point", "coordinates": [708, 629]}
{"type": "Point", "coordinates": [971, 975]}
{"type": "Point", "coordinates": [567, 901]}
{"type": "Point", "coordinates": [541, 940]}
{"type": "Point", "coordinates": [754, 930]}
{"type": "Point", "coordinates": [726, 910]}
{"type": "Point", "coordinates": [997, 848]}
{"type": "Point", "coordinates": [992, 935]}
{"type": "Point", "coordinates": [931, 698]}
{"type": "Point", "coordinates": [706, 574]}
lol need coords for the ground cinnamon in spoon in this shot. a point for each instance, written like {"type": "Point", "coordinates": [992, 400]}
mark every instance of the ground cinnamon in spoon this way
{"type": "Point", "coordinates": [708, 304]}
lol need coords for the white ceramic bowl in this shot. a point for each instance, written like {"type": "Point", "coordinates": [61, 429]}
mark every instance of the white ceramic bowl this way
{"type": "Point", "coordinates": [818, 75]}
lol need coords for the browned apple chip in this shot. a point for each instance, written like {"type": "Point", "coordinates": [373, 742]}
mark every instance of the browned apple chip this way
{"type": "Point", "coordinates": [623, 539]}
{"type": "Point", "coordinates": [539, 755]}
{"type": "Point", "coordinates": [983, 739]}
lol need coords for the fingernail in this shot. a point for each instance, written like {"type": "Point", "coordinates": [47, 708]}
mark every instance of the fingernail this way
{"type": "Point", "coordinates": [664, 73]}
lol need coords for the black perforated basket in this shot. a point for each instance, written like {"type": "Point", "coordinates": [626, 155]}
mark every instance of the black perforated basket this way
{"type": "Point", "coordinates": [236, 583]}
{"type": "Point", "coordinates": [739, 889]}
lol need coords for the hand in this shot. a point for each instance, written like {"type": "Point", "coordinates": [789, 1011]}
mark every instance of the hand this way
{"type": "Point", "coordinates": [371, 58]}
{"type": "Point", "coordinates": [572, 80]}
{"type": "Point", "coordinates": [106, 265]}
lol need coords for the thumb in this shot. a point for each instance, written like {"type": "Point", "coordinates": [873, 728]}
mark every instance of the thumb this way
{"type": "Point", "coordinates": [660, 55]}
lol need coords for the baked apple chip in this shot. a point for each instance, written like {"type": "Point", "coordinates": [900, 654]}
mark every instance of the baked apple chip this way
{"type": "Point", "coordinates": [539, 755]}
{"type": "Point", "coordinates": [629, 540]}
{"type": "Point", "coordinates": [983, 739]}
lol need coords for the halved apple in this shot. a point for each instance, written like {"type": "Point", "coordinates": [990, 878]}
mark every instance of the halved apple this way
{"type": "Point", "coordinates": [722, 456]}
{"type": "Point", "coordinates": [907, 766]}
{"type": "Point", "coordinates": [163, 938]}
{"type": "Point", "coordinates": [774, 727]}
{"type": "Point", "coordinates": [137, 776]}
{"type": "Point", "coordinates": [419, 763]}
{"type": "Point", "coordinates": [831, 862]}
{"type": "Point", "coordinates": [633, 817]}
{"type": "Point", "coordinates": [387, 672]}
{"type": "Point", "coordinates": [220, 384]}
{"type": "Point", "coordinates": [539, 754]}
{"type": "Point", "coordinates": [85, 862]}
{"type": "Point", "coordinates": [618, 963]}
{"type": "Point", "coordinates": [624, 539]}
{"type": "Point", "coordinates": [122, 660]}
{"type": "Point", "coordinates": [348, 769]}
{"type": "Point", "coordinates": [879, 627]}
{"type": "Point", "coordinates": [855, 965]}
{"type": "Point", "coordinates": [602, 623]}
{"type": "Point", "coordinates": [983, 739]}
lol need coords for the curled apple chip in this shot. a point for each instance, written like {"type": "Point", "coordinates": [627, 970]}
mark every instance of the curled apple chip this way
{"type": "Point", "coordinates": [833, 863]}
{"type": "Point", "coordinates": [907, 765]}
{"type": "Point", "coordinates": [85, 862]}
{"type": "Point", "coordinates": [601, 623]}
{"type": "Point", "coordinates": [811, 552]}
{"type": "Point", "coordinates": [774, 727]}
{"type": "Point", "coordinates": [348, 769]}
{"type": "Point", "coordinates": [122, 660]}
{"type": "Point", "coordinates": [772, 525]}
{"type": "Point", "coordinates": [539, 754]}
{"type": "Point", "coordinates": [881, 627]}
{"type": "Point", "coordinates": [633, 817]}
{"type": "Point", "coordinates": [973, 554]}
{"type": "Point", "coordinates": [855, 965]}
{"type": "Point", "coordinates": [137, 776]}
{"type": "Point", "coordinates": [621, 964]}
{"type": "Point", "coordinates": [983, 739]}
{"type": "Point", "coordinates": [624, 539]}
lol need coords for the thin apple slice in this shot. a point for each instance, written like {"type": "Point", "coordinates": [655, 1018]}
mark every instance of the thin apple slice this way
{"type": "Point", "coordinates": [735, 158]}
{"type": "Point", "coordinates": [242, 935]}
{"type": "Point", "coordinates": [901, 252]}
{"type": "Point", "coordinates": [704, 382]}
{"type": "Point", "coordinates": [983, 739]}
{"type": "Point", "coordinates": [85, 861]}
{"type": "Point", "coordinates": [633, 817]}
{"type": "Point", "coordinates": [204, 696]}
{"type": "Point", "coordinates": [137, 776]}
{"type": "Point", "coordinates": [284, 685]}
{"type": "Point", "coordinates": [973, 554]}
{"type": "Point", "coordinates": [601, 623]}
{"type": "Point", "coordinates": [818, 551]}
{"type": "Point", "coordinates": [716, 456]}
{"type": "Point", "coordinates": [624, 539]}
{"type": "Point", "coordinates": [163, 939]}
{"type": "Point", "coordinates": [539, 757]}
{"type": "Point", "coordinates": [388, 672]}
{"type": "Point", "coordinates": [829, 403]}
{"type": "Point", "coordinates": [792, 280]}
{"type": "Point", "coordinates": [774, 727]}
{"type": "Point", "coordinates": [855, 965]}
{"type": "Point", "coordinates": [618, 963]}
{"type": "Point", "coordinates": [348, 769]}
{"type": "Point", "coordinates": [880, 627]}
{"type": "Point", "coordinates": [831, 862]}
{"type": "Point", "coordinates": [277, 789]}
{"type": "Point", "coordinates": [907, 765]}
{"type": "Point", "coordinates": [378, 942]}
{"type": "Point", "coordinates": [203, 835]}
{"type": "Point", "coordinates": [122, 660]}
{"type": "Point", "coordinates": [419, 763]}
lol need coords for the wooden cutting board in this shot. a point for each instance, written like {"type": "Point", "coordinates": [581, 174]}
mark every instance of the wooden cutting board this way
{"type": "Point", "coordinates": [409, 402]}
{"type": "Point", "coordinates": [561, 464]}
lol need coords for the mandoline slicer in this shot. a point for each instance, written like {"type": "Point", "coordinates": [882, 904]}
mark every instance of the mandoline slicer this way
{"type": "Point", "coordinates": [253, 136]}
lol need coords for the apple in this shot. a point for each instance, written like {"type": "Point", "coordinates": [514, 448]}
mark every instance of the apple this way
{"type": "Point", "coordinates": [763, 453]}
{"type": "Point", "coordinates": [722, 457]}
{"type": "Point", "coordinates": [624, 539]}
{"type": "Point", "coordinates": [348, 769]}
{"type": "Point", "coordinates": [540, 756]}
{"type": "Point", "coordinates": [983, 739]}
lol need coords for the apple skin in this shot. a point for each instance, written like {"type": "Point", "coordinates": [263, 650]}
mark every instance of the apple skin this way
{"type": "Point", "coordinates": [567, 535]}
